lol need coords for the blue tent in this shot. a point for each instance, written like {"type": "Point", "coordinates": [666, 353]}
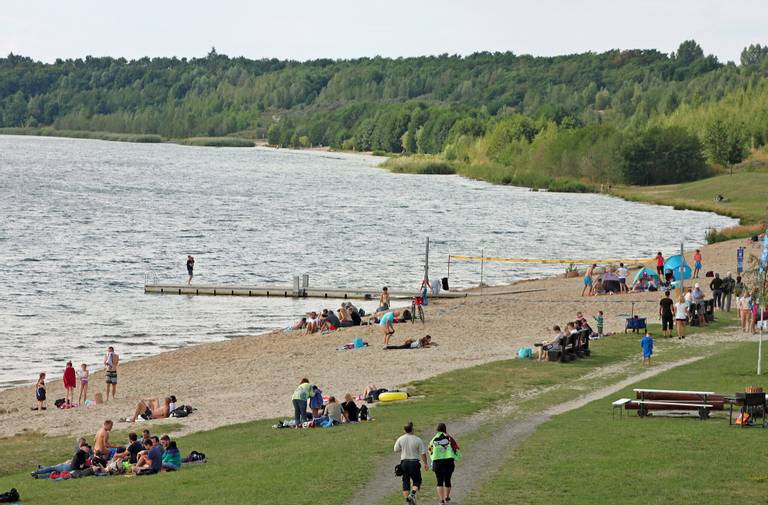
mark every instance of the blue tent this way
{"type": "Point", "coordinates": [651, 274]}
{"type": "Point", "coordinates": [673, 263]}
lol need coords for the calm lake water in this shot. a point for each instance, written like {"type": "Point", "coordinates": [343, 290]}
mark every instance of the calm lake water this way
{"type": "Point", "coordinates": [82, 222]}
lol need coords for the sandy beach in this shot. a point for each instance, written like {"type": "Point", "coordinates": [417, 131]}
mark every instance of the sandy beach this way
{"type": "Point", "coordinates": [253, 378]}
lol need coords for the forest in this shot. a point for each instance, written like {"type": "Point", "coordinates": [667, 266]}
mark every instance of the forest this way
{"type": "Point", "coordinates": [566, 122]}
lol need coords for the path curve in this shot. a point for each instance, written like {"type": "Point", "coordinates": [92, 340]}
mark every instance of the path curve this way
{"type": "Point", "coordinates": [487, 455]}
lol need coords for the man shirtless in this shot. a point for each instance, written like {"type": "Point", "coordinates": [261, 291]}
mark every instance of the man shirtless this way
{"type": "Point", "coordinates": [111, 360]}
{"type": "Point", "coordinates": [101, 445]}
{"type": "Point", "coordinates": [151, 409]}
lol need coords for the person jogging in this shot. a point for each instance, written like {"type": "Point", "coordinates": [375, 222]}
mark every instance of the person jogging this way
{"type": "Point", "coordinates": [412, 450]}
{"type": "Point", "coordinates": [444, 452]}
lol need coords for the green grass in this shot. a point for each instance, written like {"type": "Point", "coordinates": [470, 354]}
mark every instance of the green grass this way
{"type": "Point", "coordinates": [744, 192]}
{"type": "Point", "coordinates": [585, 456]}
{"type": "Point", "coordinates": [500, 174]}
{"type": "Point", "coordinates": [419, 164]}
{"type": "Point", "coordinates": [216, 142]}
{"type": "Point", "coordinates": [81, 134]}
{"type": "Point", "coordinates": [253, 463]}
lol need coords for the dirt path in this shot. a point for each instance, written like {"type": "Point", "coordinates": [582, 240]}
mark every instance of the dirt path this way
{"type": "Point", "coordinates": [486, 456]}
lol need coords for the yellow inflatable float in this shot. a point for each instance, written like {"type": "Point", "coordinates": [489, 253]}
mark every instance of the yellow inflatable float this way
{"type": "Point", "coordinates": [393, 396]}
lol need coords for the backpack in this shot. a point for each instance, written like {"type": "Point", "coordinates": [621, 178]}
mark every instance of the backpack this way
{"type": "Point", "coordinates": [194, 457]}
{"type": "Point", "coordinates": [9, 496]}
{"type": "Point", "coordinates": [363, 413]}
{"type": "Point", "coordinates": [58, 403]}
{"type": "Point", "coordinates": [182, 411]}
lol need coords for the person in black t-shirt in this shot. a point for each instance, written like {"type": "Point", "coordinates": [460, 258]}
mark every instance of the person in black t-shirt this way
{"type": "Point", "coordinates": [665, 312]}
{"type": "Point", "coordinates": [131, 452]}
{"type": "Point", "coordinates": [349, 409]}
{"type": "Point", "coordinates": [80, 458]}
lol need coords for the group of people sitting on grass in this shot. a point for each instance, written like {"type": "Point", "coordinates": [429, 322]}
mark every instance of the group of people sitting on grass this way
{"type": "Point", "coordinates": [323, 411]}
{"type": "Point", "coordinates": [145, 456]}
{"type": "Point", "coordinates": [579, 326]}
{"type": "Point", "coordinates": [327, 411]}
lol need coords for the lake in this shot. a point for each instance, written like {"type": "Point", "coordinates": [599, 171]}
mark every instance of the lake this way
{"type": "Point", "coordinates": [82, 222]}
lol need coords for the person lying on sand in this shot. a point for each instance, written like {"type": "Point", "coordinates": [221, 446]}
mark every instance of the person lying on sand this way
{"type": "Point", "coordinates": [414, 344]}
{"type": "Point", "coordinates": [149, 409]}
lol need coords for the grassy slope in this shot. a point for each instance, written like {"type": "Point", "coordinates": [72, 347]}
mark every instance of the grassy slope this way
{"type": "Point", "coordinates": [253, 463]}
{"type": "Point", "coordinates": [587, 457]}
{"type": "Point", "coordinates": [745, 192]}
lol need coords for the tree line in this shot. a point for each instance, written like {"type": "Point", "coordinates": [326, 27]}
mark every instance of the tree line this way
{"type": "Point", "coordinates": [636, 116]}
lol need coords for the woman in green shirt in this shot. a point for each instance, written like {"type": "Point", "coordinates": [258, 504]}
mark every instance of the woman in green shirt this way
{"type": "Point", "coordinates": [299, 399]}
{"type": "Point", "coordinates": [444, 452]}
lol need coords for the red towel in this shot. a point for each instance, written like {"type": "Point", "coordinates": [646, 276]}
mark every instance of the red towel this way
{"type": "Point", "coordinates": [70, 380]}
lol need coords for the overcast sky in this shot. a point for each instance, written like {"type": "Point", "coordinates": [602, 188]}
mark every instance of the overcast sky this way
{"type": "Point", "coordinates": [307, 29]}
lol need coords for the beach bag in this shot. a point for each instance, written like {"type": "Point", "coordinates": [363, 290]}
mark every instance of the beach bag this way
{"type": "Point", "coordinates": [194, 457]}
{"type": "Point", "coordinates": [524, 353]}
{"type": "Point", "coordinates": [182, 411]}
{"type": "Point", "coordinates": [9, 496]}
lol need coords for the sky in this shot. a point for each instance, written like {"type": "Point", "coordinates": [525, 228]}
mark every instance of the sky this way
{"type": "Point", "coordinates": [306, 29]}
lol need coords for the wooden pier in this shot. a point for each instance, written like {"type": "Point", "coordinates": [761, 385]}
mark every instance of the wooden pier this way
{"type": "Point", "coordinates": [284, 291]}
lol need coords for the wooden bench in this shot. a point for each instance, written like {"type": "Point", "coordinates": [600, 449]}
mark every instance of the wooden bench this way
{"type": "Point", "coordinates": [644, 406]}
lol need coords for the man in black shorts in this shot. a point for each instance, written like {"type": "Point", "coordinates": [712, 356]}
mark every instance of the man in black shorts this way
{"type": "Point", "coordinates": [411, 449]}
{"type": "Point", "coordinates": [665, 312]}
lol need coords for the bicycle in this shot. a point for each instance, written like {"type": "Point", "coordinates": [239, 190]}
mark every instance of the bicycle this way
{"type": "Point", "coordinates": [417, 309]}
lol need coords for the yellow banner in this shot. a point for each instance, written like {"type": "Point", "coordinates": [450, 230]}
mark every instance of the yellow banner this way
{"type": "Point", "coordinates": [528, 260]}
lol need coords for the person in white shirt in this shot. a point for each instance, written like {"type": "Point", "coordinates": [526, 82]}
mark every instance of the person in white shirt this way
{"type": "Point", "coordinates": [681, 317]}
{"type": "Point", "coordinates": [622, 273]}
{"type": "Point", "coordinates": [411, 449]}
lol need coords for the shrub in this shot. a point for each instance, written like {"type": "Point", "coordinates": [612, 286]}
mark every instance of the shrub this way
{"type": "Point", "coordinates": [662, 156]}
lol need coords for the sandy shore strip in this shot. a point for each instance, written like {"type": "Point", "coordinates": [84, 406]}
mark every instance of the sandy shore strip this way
{"type": "Point", "coordinates": [251, 378]}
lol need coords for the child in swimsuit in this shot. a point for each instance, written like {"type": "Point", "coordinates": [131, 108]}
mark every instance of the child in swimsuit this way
{"type": "Point", "coordinates": [83, 384]}
{"type": "Point", "coordinates": [40, 392]}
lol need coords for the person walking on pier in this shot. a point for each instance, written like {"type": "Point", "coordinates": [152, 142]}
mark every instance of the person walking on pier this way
{"type": "Point", "coordinates": [190, 269]}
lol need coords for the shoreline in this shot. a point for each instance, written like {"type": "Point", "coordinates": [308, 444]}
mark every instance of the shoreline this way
{"type": "Point", "coordinates": [251, 378]}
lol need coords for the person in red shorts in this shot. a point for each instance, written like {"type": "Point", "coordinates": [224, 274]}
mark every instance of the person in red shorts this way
{"type": "Point", "coordinates": [70, 382]}
{"type": "Point", "coordinates": [660, 265]}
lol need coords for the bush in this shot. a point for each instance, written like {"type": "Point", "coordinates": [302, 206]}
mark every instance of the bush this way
{"type": "Point", "coordinates": [216, 142]}
{"type": "Point", "coordinates": [419, 165]}
{"type": "Point", "coordinates": [662, 156]}
{"type": "Point", "coordinates": [732, 232]}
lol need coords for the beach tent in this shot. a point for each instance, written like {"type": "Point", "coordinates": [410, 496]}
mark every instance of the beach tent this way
{"type": "Point", "coordinates": [649, 272]}
{"type": "Point", "coordinates": [673, 263]}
